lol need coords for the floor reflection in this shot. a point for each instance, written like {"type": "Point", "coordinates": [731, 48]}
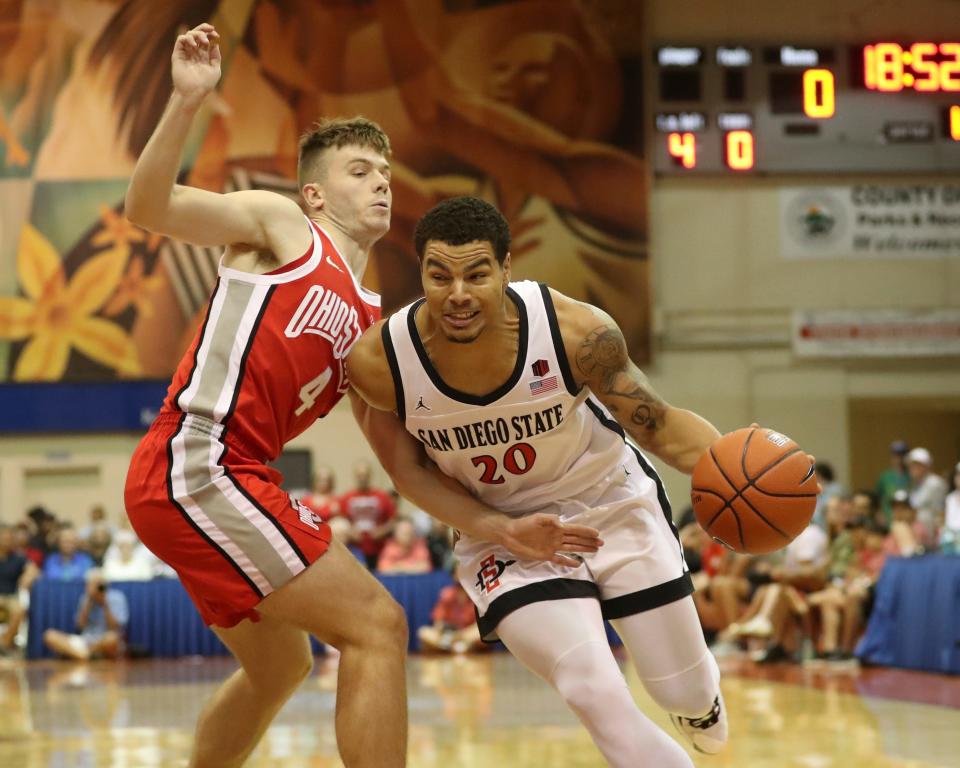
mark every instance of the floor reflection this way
{"type": "Point", "coordinates": [469, 712]}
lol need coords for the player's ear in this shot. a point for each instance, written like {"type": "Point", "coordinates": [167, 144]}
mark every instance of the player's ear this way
{"type": "Point", "coordinates": [505, 267]}
{"type": "Point", "coordinates": [313, 195]}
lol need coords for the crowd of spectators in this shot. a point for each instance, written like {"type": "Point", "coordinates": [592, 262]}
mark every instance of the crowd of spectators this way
{"type": "Point", "coordinates": [810, 602]}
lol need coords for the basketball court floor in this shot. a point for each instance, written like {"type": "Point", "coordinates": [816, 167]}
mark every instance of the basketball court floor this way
{"type": "Point", "coordinates": [473, 712]}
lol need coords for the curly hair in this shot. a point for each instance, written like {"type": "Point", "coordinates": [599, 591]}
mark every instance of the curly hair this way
{"type": "Point", "coordinates": [338, 132]}
{"type": "Point", "coordinates": [460, 220]}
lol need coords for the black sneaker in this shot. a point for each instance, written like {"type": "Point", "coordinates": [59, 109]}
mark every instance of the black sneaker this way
{"type": "Point", "coordinates": [775, 654]}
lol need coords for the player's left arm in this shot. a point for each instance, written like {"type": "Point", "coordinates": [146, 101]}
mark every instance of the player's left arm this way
{"type": "Point", "coordinates": [598, 357]}
{"type": "Point", "coordinates": [533, 537]}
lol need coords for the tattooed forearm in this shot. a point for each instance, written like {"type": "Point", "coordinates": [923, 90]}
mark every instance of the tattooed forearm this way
{"type": "Point", "coordinates": [603, 360]}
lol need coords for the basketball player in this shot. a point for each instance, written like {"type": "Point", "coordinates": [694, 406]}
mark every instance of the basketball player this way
{"type": "Point", "coordinates": [268, 361]}
{"type": "Point", "coordinates": [519, 393]}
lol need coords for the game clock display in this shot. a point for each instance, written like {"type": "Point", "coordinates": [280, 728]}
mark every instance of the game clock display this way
{"type": "Point", "coordinates": [876, 107]}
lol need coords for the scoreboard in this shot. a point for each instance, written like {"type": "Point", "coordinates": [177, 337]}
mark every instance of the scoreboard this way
{"type": "Point", "coordinates": [875, 107]}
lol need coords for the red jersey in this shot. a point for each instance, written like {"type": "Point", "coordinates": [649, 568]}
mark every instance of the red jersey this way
{"type": "Point", "coordinates": [368, 510]}
{"type": "Point", "coordinates": [269, 357]}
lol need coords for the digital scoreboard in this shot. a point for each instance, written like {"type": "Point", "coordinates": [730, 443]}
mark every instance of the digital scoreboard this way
{"type": "Point", "coordinates": [877, 107]}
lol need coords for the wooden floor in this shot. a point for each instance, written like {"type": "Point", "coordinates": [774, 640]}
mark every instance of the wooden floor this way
{"type": "Point", "coordinates": [472, 712]}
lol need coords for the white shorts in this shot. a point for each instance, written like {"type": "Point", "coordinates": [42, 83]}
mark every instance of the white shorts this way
{"type": "Point", "coordinates": [639, 567]}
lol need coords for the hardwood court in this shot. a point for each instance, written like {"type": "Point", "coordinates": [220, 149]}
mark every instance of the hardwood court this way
{"type": "Point", "coordinates": [472, 712]}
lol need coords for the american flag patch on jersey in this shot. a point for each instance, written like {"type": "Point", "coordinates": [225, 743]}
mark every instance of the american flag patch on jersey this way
{"type": "Point", "coordinates": [544, 385]}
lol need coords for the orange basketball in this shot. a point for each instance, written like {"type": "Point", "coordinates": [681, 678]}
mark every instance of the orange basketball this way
{"type": "Point", "coordinates": [754, 490]}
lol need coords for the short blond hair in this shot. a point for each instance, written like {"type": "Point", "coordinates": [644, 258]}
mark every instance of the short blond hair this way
{"type": "Point", "coordinates": [337, 132]}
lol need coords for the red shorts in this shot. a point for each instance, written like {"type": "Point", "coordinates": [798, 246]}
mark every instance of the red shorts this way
{"type": "Point", "coordinates": [219, 519]}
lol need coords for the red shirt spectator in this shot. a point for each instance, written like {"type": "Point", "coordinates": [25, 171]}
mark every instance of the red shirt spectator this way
{"type": "Point", "coordinates": [371, 511]}
{"type": "Point", "coordinates": [322, 501]}
{"type": "Point", "coordinates": [404, 552]}
{"type": "Point", "coordinates": [454, 608]}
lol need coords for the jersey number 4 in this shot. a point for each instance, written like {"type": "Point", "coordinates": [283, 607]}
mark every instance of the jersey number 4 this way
{"type": "Point", "coordinates": [518, 459]}
{"type": "Point", "coordinates": [310, 392]}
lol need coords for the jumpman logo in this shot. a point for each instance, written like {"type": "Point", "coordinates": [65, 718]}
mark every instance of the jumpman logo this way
{"type": "Point", "coordinates": [421, 405]}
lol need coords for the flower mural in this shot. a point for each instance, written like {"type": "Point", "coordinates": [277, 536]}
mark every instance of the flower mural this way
{"type": "Point", "coordinates": [56, 314]}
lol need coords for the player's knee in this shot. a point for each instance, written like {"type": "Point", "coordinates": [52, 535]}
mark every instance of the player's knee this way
{"type": "Point", "coordinates": [691, 693]}
{"type": "Point", "coordinates": [587, 680]}
{"type": "Point", "coordinates": [388, 625]}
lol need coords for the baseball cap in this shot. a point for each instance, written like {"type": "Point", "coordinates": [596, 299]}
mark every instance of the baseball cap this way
{"type": "Point", "coordinates": [901, 497]}
{"type": "Point", "coordinates": [921, 456]}
{"type": "Point", "coordinates": [899, 447]}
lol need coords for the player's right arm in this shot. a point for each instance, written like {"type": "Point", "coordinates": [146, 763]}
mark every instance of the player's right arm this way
{"type": "Point", "coordinates": [253, 220]}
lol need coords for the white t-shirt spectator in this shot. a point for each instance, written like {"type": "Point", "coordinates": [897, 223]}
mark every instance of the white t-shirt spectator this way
{"type": "Point", "coordinates": [127, 559]}
{"type": "Point", "coordinates": [811, 547]}
{"type": "Point", "coordinates": [928, 498]}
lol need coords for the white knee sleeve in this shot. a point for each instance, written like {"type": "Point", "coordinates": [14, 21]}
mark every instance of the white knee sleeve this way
{"type": "Point", "coordinates": [690, 693]}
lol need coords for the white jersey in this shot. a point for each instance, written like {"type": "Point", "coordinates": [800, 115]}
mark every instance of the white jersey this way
{"type": "Point", "coordinates": [533, 441]}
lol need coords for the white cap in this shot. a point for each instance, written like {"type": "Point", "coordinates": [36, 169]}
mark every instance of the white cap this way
{"type": "Point", "coordinates": [921, 456]}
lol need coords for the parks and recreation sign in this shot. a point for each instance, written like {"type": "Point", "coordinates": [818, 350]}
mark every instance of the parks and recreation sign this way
{"type": "Point", "coordinates": [870, 221]}
{"type": "Point", "coordinates": [876, 333]}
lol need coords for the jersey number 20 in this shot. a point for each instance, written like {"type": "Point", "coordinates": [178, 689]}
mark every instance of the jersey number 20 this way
{"type": "Point", "coordinates": [517, 460]}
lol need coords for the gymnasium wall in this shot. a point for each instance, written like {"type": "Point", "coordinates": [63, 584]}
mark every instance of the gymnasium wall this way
{"type": "Point", "coordinates": [724, 292]}
{"type": "Point", "coordinates": [722, 297]}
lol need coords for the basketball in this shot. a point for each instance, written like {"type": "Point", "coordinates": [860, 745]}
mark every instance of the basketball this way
{"type": "Point", "coordinates": [754, 490]}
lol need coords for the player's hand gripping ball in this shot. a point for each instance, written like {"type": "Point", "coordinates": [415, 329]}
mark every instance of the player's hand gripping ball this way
{"type": "Point", "coordinates": [754, 490]}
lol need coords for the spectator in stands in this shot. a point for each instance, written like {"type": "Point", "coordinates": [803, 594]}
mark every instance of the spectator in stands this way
{"type": "Point", "coordinates": [127, 559]}
{"type": "Point", "coordinates": [950, 535]}
{"type": "Point", "coordinates": [97, 544]}
{"type": "Point", "coordinates": [454, 627]}
{"type": "Point", "coordinates": [440, 544]}
{"type": "Point", "coordinates": [322, 501]}
{"type": "Point", "coordinates": [67, 563]}
{"type": "Point", "coordinates": [928, 491]}
{"type": "Point", "coordinates": [866, 504]}
{"type": "Point", "coordinates": [371, 511]}
{"type": "Point", "coordinates": [44, 535]}
{"type": "Point", "coordinates": [101, 621]}
{"type": "Point", "coordinates": [404, 551]}
{"type": "Point", "coordinates": [839, 603]}
{"type": "Point", "coordinates": [23, 533]}
{"type": "Point", "coordinates": [98, 522]}
{"type": "Point", "coordinates": [894, 478]}
{"type": "Point", "coordinates": [803, 571]}
{"type": "Point", "coordinates": [830, 489]}
{"type": "Point", "coordinates": [908, 536]}
{"type": "Point", "coordinates": [342, 530]}
{"type": "Point", "coordinates": [17, 573]}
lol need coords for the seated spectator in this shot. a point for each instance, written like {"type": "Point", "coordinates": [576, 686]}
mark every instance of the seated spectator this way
{"type": "Point", "coordinates": [804, 570]}
{"type": "Point", "coordinates": [950, 535]}
{"type": "Point", "coordinates": [98, 522]}
{"type": "Point", "coordinates": [928, 491]}
{"type": "Point", "coordinates": [67, 563]}
{"type": "Point", "coordinates": [22, 534]}
{"type": "Point", "coordinates": [440, 544]}
{"type": "Point", "coordinates": [43, 540]}
{"type": "Point", "coordinates": [894, 478]}
{"type": "Point", "coordinates": [404, 552]}
{"type": "Point", "coordinates": [371, 510]}
{"type": "Point", "coordinates": [342, 530]}
{"type": "Point", "coordinates": [830, 488]}
{"type": "Point", "coordinates": [97, 544]}
{"type": "Point", "coordinates": [454, 627]}
{"type": "Point", "coordinates": [866, 505]}
{"type": "Point", "coordinates": [908, 536]}
{"type": "Point", "coordinates": [17, 573]}
{"type": "Point", "coordinates": [840, 603]}
{"type": "Point", "coordinates": [102, 616]}
{"type": "Point", "coordinates": [322, 501]}
{"type": "Point", "coordinates": [127, 559]}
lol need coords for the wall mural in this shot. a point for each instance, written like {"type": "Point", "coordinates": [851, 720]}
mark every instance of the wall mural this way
{"type": "Point", "coordinates": [532, 104]}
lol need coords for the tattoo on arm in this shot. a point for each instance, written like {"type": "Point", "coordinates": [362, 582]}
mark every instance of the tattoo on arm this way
{"type": "Point", "coordinates": [602, 358]}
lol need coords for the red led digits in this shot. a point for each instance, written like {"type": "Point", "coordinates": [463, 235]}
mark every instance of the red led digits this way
{"type": "Point", "coordinates": [925, 67]}
{"type": "Point", "coordinates": [739, 151]}
{"type": "Point", "coordinates": [683, 148]}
